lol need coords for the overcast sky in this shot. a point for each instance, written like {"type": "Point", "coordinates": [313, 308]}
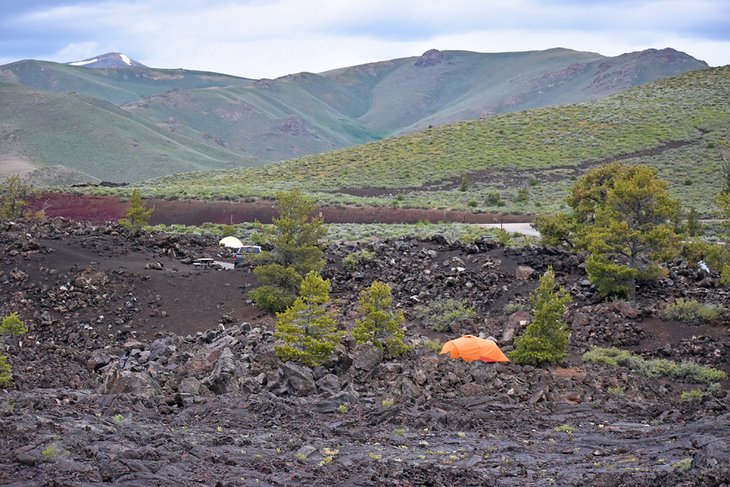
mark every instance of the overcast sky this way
{"type": "Point", "coordinates": [271, 38]}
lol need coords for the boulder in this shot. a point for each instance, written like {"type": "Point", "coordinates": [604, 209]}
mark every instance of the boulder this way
{"type": "Point", "coordinates": [224, 378]}
{"type": "Point", "coordinates": [299, 380]}
{"type": "Point", "coordinates": [523, 272]}
{"type": "Point", "coordinates": [329, 385]}
{"type": "Point", "coordinates": [366, 357]}
{"type": "Point", "coordinates": [137, 384]}
{"type": "Point", "coordinates": [189, 385]}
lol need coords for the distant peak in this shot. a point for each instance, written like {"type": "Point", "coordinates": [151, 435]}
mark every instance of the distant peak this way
{"type": "Point", "coordinates": [109, 60]}
{"type": "Point", "coordinates": [431, 58]}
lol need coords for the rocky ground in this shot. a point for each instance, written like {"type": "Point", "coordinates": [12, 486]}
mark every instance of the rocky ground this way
{"type": "Point", "coordinates": [140, 369]}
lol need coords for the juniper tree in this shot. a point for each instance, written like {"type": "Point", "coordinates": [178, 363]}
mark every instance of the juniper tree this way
{"type": "Point", "coordinates": [13, 197]}
{"type": "Point", "coordinates": [622, 216]}
{"type": "Point", "coordinates": [138, 215]}
{"type": "Point", "coordinates": [295, 238]}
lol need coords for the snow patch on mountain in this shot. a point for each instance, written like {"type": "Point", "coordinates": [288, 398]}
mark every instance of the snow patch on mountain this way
{"type": "Point", "coordinates": [125, 59]}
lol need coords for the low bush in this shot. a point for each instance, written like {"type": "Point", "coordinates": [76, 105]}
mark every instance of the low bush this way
{"type": "Point", "coordinates": [352, 260]}
{"type": "Point", "coordinates": [513, 307]}
{"type": "Point", "coordinates": [503, 237]}
{"type": "Point", "coordinates": [682, 372]}
{"type": "Point", "coordinates": [693, 395]}
{"type": "Point", "coordinates": [440, 314]}
{"type": "Point", "coordinates": [690, 310]}
{"type": "Point", "coordinates": [432, 344]}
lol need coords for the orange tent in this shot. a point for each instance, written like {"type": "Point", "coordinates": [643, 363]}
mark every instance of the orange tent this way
{"type": "Point", "coordinates": [472, 348]}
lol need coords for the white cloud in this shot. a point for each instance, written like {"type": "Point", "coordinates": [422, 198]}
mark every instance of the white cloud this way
{"type": "Point", "coordinates": [270, 38]}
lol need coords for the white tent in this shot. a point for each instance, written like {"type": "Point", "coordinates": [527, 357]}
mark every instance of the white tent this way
{"type": "Point", "coordinates": [231, 242]}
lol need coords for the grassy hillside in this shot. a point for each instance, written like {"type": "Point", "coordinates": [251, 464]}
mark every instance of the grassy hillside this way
{"type": "Point", "coordinates": [294, 116]}
{"type": "Point", "coordinates": [116, 86]}
{"type": "Point", "coordinates": [305, 113]}
{"type": "Point", "coordinates": [520, 162]}
{"type": "Point", "coordinates": [96, 138]}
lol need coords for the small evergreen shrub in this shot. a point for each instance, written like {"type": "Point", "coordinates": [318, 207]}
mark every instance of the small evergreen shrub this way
{"type": "Point", "coordinates": [546, 338]}
{"type": "Point", "coordinates": [379, 322]}
{"type": "Point", "coordinates": [616, 390]}
{"type": "Point", "coordinates": [50, 453]}
{"type": "Point", "coordinates": [272, 298]}
{"type": "Point", "coordinates": [12, 325]}
{"type": "Point", "coordinates": [493, 199]}
{"type": "Point", "coordinates": [138, 215]}
{"type": "Point", "coordinates": [6, 372]}
{"type": "Point", "coordinates": [441, 313]}
{"type": "Point", "coordinates": [503, 237]}
{"type": "Point", "coordinates": [690, 310]}
{"type": "Point", "coordinates": [281, 287]}
{"type": "Point", "coordinates": [306, 331]}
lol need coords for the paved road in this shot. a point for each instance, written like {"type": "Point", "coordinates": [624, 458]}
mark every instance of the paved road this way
{"type": "Point", "coordinates": [523, 228]}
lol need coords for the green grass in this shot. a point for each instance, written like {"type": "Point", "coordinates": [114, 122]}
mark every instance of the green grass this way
{"type": "Point", "coordinates": [107, 143]}
{"type": "Point", "coordinates": [350, 232]}
{"type": "Point", "coordinates": [679, 371]}
{"type": "Point", "coordinates": [528, 159]}
{"type": "Point", "coordinates": [690, 310]}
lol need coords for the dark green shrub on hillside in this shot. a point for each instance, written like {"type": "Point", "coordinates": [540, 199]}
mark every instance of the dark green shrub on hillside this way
{"type": "Point", "coordinates": [493, 199]}
{"type": "Point", "coordinates": [440, 314]}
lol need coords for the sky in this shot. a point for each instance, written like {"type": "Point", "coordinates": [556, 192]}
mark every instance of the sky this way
{"type": "Point", "coordinates": [272, 38]}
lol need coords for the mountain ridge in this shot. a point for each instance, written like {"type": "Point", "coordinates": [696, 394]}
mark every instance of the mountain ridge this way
{"type": "Point", "coordinates": [109, 60]}
{"type": "Point", "coordinates": [261, 121]}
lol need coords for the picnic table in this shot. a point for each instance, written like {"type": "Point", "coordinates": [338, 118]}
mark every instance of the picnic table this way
{"type": "Point", "coordinates": [203, 263]}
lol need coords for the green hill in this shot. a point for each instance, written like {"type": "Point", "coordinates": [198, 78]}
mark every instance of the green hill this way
{"type": "Point", "coordinates": [223, 119]}
{"type": "Point", "coordinates": [519, 162]}
{"type": "Point", "coordinates": [95, 137]}
{"type": "Point", "coordinates": [116, 86]}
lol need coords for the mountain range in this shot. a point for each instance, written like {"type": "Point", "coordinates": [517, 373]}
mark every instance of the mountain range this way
{"type": "Point", "coordinates": [126, 122]}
